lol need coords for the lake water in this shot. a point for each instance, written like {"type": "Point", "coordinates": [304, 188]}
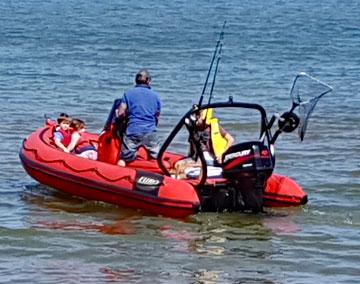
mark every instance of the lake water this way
{"type": "Point", "coordinates": [78, 56]}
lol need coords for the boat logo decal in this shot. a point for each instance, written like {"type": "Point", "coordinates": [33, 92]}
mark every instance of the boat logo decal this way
{"type": "Point", "coordinates": [237, 154]}
{"type": "Point", "coordinates": [148, 181]}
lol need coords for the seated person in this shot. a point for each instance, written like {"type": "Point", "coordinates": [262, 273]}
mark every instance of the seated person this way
{"type": "Point", "coordinates": [214, 141]}
{"type": "Point", "coordinates": [62, 134]}
{"type": "Point", "coordinates": [78, 145]}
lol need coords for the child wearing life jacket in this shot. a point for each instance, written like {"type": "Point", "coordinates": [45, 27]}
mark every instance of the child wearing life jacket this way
{"type": "Point", "coordinates": [78, 144]}
{"type": "Point", "coordinates": [62, 134]}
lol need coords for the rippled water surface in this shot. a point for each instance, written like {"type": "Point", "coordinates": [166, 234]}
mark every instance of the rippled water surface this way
{"type": "Point", "coordinates": [78, 56]}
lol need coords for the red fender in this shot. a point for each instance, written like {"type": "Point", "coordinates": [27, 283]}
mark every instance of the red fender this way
{"type": "Point", "coordinates": [283, 191]}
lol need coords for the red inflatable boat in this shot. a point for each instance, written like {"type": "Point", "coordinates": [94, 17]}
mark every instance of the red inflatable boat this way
{"type": "Point", "coordinates": [246, 183]}
{"type": "Point", "coordinates": [243, 181]}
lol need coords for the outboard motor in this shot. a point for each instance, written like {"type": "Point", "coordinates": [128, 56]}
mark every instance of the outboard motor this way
{"type": "Point", "coordinates": [247, 166]}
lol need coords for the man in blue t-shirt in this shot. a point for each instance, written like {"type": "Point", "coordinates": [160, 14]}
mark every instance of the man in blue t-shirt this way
{"type": "Point", "coordinates": [142, 107]}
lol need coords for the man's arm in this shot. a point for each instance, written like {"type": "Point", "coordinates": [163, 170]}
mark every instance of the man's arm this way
{"type": "Point", "coordinates": [157, 115]}
{"type": "Point", "coordinates": [121, 110]}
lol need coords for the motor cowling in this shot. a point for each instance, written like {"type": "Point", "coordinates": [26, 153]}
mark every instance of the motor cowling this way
{"type": "Point", "coordinates": [247, 166]}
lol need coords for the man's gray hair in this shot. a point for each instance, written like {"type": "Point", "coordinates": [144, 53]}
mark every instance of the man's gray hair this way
{"type": "Point", "coordinates": [142, 77]}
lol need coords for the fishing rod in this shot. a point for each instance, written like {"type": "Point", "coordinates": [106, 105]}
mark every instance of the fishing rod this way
{"type": "Point", "coordinates": [194, 135]}
{"type": "Point", "coordinates": [218, 43]}
{"type": "Point", "coordinates": [215, 72]}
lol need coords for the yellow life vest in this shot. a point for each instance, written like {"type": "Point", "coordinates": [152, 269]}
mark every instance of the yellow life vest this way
{"type": "Point", "coordinates": [207, 115]}
{"type": "Point", "coordinates": [218, 142]}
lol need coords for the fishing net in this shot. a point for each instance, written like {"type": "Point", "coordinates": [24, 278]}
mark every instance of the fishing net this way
{"type": "Point", "coordinates": [305, 93]}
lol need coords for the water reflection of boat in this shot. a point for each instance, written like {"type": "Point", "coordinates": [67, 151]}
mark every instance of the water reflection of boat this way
{"type": "Point", "coordinates": [120, 227]}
